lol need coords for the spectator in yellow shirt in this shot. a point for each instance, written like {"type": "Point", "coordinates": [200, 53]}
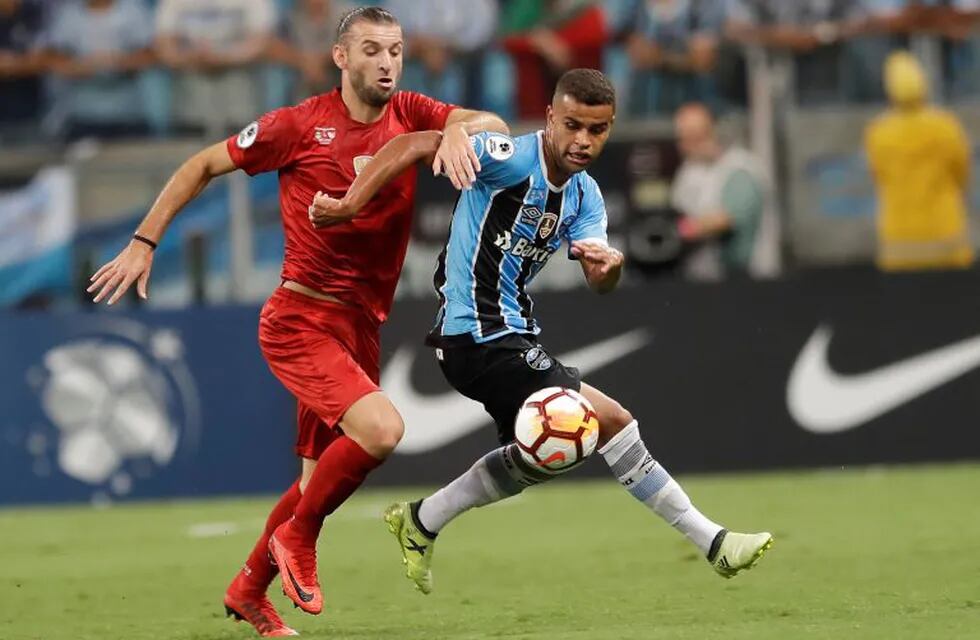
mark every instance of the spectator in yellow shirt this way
{"type": "Point", "coordinates": [920, 162]}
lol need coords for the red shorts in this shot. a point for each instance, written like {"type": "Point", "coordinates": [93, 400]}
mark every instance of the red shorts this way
{"type": "Point", "coordinates": [327, 354]}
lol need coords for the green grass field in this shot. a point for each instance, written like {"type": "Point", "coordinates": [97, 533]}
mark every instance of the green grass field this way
{"type": "Point", "coordinates": [860, 554]}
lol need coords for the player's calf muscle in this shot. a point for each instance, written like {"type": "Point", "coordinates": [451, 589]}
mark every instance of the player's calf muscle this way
{"type": "Point", "coordinates": [308, 467]}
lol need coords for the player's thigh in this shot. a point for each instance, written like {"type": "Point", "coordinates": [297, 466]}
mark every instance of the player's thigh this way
{"type": "Point", "coordinates": [374, 423]}
{"type": "Point", "coordinates": [501, 378]}
{"type": "Point", "coordinates": [313, 435]}
{"type": "Point", "coordinates": [369, 351]}
{"type": "Point", "coordinates": [316, 368]}
{"type": "Point", "coordinates": [613, 417]}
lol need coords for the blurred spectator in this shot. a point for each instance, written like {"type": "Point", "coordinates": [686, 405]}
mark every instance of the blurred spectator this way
{"type": "Point", "coordinates": [723, 199]}
{"type": "Point", "coordinates": [959, 25]}
{"type": "Point", "coordinates": [98, 48]}
{"type": "Point", "coordinates": [920, 160]}
{"type": "Point", "coordinates": [674, 50]}
{"type": "Point", "coordinates": [809, 30]}
{"type": "Point", "coordinates": [306, 45]}
{"type": "Point", "coordinates": [445, 44]}
{"type": "Point", "coordinates": [882, 26]}
{"type": "Point", "coordinates": [546, 38]}
{"type": "Point", "coordinates": [213, 45]}
{"type": "Point", "coordinates": [20, 61]}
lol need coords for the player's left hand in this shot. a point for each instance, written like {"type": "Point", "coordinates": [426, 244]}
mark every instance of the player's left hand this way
{"type": "Point", "coordinates": [327, 212]}
{"type": "Point", "coordinates": [456, 158]}
{"type": "Point", "coordinates": [598, 256]}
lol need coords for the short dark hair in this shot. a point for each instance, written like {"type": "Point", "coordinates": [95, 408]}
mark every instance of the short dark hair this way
{"type": "Point", "coordinates": [587, 86]}
{"type": "Point", "coordinates": [376, 15]}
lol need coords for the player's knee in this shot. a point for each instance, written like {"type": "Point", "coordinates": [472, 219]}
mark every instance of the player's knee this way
{"type": "Point", "coordinates": [384, 434]}
{"type": "Point", "coordinates": [390, 432]}
{"type": "Point", "coordinates": [613, 420]}
{"type": "Point", "coordinates": [618, 417]}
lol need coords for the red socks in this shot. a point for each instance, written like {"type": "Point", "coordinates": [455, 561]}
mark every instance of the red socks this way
{"type": "Point", "coordinates": [258, 570]}
{"type": "Point", "coordinates": [341, 469]}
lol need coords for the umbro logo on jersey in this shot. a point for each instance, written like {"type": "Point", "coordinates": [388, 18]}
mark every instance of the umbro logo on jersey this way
{"type": "Point", "coordinates": [324, 135]}
{"type": "Point", "coordinates": [530, 215]}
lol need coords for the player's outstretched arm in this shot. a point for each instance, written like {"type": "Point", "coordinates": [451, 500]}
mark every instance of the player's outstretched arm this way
{"type": "Point", "coordinates": [398, 154]}
{"type": "Point", "coordinates": [455, 156]}
{"type": "Point", "coordinates": [601, 264]}
{"type": "Point", "coordinates": [134, 262]}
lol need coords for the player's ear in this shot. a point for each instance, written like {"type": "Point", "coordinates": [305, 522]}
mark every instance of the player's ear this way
{"type": "Point", "coordinates": [340, 56]}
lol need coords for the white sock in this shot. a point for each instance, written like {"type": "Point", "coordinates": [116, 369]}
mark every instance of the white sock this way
{"type": "Point", "coordinates": [500, 474]}
{"type": "Point", "coordinates": [650, 483]}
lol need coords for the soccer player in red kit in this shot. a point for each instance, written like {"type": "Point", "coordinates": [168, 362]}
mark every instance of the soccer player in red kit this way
{"type": "Point", "coordinates": [319, 332]}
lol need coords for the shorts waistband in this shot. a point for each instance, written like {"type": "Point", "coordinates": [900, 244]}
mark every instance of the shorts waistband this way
{"type": "Point", "coordinates": [349, 310]}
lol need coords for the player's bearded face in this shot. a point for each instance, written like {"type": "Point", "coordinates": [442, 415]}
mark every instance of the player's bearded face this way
{"type": "Point", "coordinates": [372, 58]}
{"type": "Point", "coordinates": [577, 132]}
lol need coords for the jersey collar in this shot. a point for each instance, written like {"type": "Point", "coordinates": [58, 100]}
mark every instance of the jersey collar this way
{"type": "Point", "coordinates": [544, 166]}
{"type": "Point", "coordinates": [338, 99]}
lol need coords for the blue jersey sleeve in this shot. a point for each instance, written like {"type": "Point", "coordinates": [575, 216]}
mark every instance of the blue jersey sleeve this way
{"type": "Point", "coordinates": [504, 161]}
{"type": "Point", "coordinates": [590, 223]}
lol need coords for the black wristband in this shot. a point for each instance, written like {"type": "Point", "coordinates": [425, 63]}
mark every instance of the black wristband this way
{"type": "Point", "coordinates": [147, 241]}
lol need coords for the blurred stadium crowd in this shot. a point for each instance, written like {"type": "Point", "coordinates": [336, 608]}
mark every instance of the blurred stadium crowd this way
{"type": "Point", "coordinates": [101, 99]}
{"type": "Point", "coordinates": [72, 68]}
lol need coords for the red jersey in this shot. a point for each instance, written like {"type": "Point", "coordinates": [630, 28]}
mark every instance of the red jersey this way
{"type": "Point", "coordinates": [316, 146]}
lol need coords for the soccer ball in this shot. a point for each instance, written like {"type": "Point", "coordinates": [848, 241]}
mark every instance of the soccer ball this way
{"type": "Point", "coordinates": [556, 429]}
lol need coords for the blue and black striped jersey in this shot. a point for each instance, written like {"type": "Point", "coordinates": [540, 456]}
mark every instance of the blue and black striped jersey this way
{"type": "Point", "coordinates": [503, 231]}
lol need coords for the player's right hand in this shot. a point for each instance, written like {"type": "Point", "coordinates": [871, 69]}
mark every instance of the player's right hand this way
{"type": "Point", "coordinates": [131, 265]}
{"type": "Point", "coordinates": [326, 211]}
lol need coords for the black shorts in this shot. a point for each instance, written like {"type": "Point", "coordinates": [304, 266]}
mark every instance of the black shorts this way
{"type": "Point", "coordinates": [502, 374]}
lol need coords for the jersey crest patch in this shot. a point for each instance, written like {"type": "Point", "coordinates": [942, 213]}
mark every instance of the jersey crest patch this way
{"type": "Point", "coordinates": [547, 225]}
{"type": "Point", "coordinates": [248, 135]}
{"type": "Point", "coordinates": [324, 135]}
{"type": "Point", "coordinates": [500, 147]}
{"type": "Point", "coordinates": [360, 162]}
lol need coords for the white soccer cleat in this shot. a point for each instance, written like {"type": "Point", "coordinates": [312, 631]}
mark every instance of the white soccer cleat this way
{"type": "Point", "coordinates": [737, 551]}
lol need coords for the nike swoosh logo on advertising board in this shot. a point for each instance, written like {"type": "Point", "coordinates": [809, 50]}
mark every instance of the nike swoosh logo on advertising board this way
{"type": "Point", "coordinates": [824, 401]}
{"type": "Point", "coordinates": [432, 421]}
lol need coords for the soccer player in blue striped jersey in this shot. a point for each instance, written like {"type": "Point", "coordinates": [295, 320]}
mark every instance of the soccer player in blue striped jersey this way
{"type": "Point", "coordinates": [529, 194]}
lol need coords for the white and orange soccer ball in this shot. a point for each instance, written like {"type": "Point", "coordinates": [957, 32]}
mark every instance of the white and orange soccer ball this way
{"type": "Point", "coordinates": [556, 429]}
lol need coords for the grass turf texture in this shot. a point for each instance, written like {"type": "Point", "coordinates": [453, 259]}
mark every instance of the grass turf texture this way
{"type": "Point", "coordinates": [864, 554]}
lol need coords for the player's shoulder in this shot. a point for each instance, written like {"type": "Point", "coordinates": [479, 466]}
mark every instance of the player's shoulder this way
{"type": "Point", "coordinates": [520, 151]}
{"type": "Point", "coordinates": [405, 101]}
{"type": "Point", "coordinates": [404, 97]}
{"type": "Point", "coordinates": [316, 106]}
{"type": "Point", "coordinates": [586, 185]}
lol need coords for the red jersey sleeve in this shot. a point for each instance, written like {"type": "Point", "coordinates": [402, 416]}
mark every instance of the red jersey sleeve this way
{"type": "Point", "coordinates": [267, 144]}
{"type": "Point", "coordinates": [421, 112]}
